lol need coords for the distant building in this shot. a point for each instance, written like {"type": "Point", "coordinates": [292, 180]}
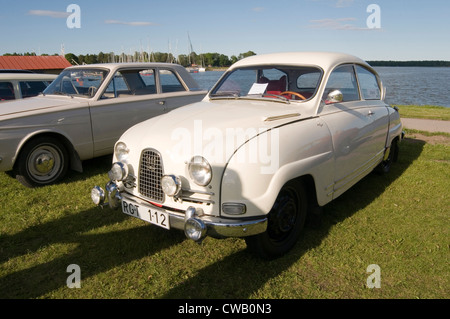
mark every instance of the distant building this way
{"type": "Point", "coordinates": [39, 64]}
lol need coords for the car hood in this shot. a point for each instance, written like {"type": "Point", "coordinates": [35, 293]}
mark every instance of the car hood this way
{"type": "Point", "coordinates": [35, 104]}
{"type": "Point", "coordinates": [211, 127]}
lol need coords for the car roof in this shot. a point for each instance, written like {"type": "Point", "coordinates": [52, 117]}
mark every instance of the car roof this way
{"type": "Point", "coordinates": [115, 66]}
{"type": "Point", "coordinates": [325, 60]}
{"type": "Point", "coordinates": [26, 76]}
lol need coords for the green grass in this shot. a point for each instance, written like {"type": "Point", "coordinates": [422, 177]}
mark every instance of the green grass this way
{"type": "Point", "coordinates": [425, 112]}
{"type": "Point", "coordinates": [398, 221]}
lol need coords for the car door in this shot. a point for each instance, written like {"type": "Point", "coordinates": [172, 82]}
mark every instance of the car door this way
{"type": "Point", "coordinates": [130, 97]}
{"type": "Point", "coordinates": [174, 93]}
{"type": "Point", "coordinates": [376, 109]}
{"type": "Point", "coordinates": [352, 127]}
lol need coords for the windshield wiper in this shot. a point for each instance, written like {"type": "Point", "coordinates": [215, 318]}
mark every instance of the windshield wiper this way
{"type": "Point", "coordinates": [225, 94]}
{"type": "Point", "coordinates": [60, 93]}
{"type": "Point", "coordinates": [277, 96]}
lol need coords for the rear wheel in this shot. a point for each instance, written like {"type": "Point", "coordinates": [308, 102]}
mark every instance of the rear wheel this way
{"type": "Point", "coordinates": [42, 161]}
{"type": "Point", "coordinates": [286, 220]}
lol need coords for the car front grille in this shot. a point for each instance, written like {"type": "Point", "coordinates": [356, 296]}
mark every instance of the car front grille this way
{"type": "Point", "coordinates": [150, 173]}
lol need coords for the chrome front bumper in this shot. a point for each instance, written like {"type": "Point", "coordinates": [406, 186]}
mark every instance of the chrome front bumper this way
{"type": "Point", "coordinates": [195, 224]}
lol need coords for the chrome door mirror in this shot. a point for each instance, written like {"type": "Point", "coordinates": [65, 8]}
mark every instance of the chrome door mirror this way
{"type": "Point", "coordinates": [335, 96]}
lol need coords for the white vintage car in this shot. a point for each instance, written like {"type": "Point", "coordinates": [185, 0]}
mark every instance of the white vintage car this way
{"type": "Point", "coordinates": [83, 113]}
{"type": "Point", "coordinates": [278, 135]}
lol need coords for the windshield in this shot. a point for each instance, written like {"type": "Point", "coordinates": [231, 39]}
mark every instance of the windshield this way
{"type": "Point", "coordinates": [77, 82]}
{"type": "Point", "coordinates": [285, 82]}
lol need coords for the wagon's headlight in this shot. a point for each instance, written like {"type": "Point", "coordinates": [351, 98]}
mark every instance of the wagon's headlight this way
{"type": "Point", "coordinates": [118, 172]}
{"type": "Point", "coordinates": [171, 185]}
{"type": "Point", "coordinates": [121, 151]}
{"type": "Point", "coordinates": [200, 170]}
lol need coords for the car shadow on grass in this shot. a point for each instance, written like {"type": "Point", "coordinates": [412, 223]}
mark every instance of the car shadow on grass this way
{"type": "Point", "coordinates": [238, 275]}
{"type": "Point", "coordinates": [241, 275]}
{"type": "Point", "coordinates": [93, 250]}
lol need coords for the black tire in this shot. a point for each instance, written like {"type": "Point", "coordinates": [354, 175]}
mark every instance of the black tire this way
{"type": "Point", "coordinates": [286, 220]}
{"type": "Point", "coordinates": [385, 166]}
{"type": "Point", "coordinates": [42, 161]}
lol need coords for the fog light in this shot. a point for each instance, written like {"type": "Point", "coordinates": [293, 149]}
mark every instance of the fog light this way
{"type": "Point", "coordinates": [98, 195]}
{"type": "Point", "coordinates": [118, 172]}
{"type": "Point", "coordinates": [195, 229]}
{"type": "Point", "coordinates": [171, 185]}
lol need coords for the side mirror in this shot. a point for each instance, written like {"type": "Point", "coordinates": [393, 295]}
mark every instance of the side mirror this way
{"type": "Point", "coordinates": [335, 96]}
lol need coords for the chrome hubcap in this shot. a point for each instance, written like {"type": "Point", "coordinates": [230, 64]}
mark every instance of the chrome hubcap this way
{"type": "Point", "coordinates": [44, 163]}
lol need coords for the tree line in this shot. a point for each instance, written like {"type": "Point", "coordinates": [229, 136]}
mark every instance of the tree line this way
{"type": "Point", "coordinates": [410, 63]}
{"type": "Point", "coordinates": [203, 59]}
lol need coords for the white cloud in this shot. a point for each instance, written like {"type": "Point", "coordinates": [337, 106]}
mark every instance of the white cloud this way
{"type": "Point", "coordinates": [344, 3]}
{"type": "Point", "coordinates": [47, 13]}
{"type": "Point", "coordinates": [335, 24]}
{"type": "Point", "coordinates": [258, 9]}
{"type": "Point", "coordinates": [133, 23]}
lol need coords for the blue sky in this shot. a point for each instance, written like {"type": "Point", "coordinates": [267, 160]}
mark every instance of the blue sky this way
{"type": "Point", "coordinates": [409, 30]}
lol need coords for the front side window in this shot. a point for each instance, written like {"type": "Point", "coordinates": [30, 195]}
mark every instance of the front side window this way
{"type": "Point", "coordinates": [343, 79]}
{"type": "Point", "coordinates": [32, 88]}
{"type": "Point", "coordinates": [368, 83]}
{"type": "Point", "coordinates": [285, 82]}
{"type": "Point", "coordinates": [77, 82]}
{"type": "Point", "coordinates": [6, 91]}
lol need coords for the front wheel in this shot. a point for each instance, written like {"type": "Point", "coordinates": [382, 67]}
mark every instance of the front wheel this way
{"type": "Point", "coordinates": [385, 166]}
{"type": "Point", "coordinates": [42, 161]}
{"type": "Point", "coordinates": [286, 220]}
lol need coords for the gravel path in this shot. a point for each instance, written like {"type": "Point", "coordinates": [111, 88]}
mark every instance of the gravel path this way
{"type": "Point", "coordinates": [427, 125]}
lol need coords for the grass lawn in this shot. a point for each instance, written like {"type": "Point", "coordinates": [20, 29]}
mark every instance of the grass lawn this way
{"type": "Point", "coordinates": [425, 112]}
{"type": "Point", "coordinates": [399, 222]}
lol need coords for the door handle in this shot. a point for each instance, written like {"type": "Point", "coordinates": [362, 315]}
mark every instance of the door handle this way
{"type": "Point", "coordinates": [371, 112]}
{"type": "Point", "coordinates": [162, 102]}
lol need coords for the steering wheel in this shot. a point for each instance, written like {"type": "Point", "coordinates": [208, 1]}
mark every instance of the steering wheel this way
{"type": "Point", "coordinates": [293, 93]}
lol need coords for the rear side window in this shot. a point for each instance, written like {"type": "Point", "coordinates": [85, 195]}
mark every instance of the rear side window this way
{"type": "Point", "coordinates": [368, 84]}
{"type": "Point", "coordinates": [32, 88]}
{"type": "Point", "coordinates": [170, 82]}
{"type": "Point", "coordinates": [6, 91]}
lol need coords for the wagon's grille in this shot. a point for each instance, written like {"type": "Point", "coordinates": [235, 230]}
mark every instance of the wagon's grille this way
{"type": "Point", "coordinates": [150, 173]}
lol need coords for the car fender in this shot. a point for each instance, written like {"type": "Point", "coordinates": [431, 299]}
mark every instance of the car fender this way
{"type": "Point", "coordinates": [300, 148]}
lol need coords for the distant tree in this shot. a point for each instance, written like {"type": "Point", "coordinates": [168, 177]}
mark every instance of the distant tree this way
{"type": "Point", "coordinates": [72, 58]}
{"type": "Point", "coordinates": [246, 54]}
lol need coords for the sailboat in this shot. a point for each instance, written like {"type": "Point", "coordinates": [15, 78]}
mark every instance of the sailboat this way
{"type": "Point", "coordinates": [194, 68]}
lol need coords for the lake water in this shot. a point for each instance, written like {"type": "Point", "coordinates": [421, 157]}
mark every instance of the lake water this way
{"type": "Point", "coordinates": [405, 85]}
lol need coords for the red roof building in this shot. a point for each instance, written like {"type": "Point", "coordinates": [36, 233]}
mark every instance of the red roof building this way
{"type": "Point", "coordinates": [40, 64]}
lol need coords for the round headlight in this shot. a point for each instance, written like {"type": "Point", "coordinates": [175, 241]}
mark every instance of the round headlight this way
{"type": "Point", "coordinates": [118, 172]}
{"type": "Point", "coordinates": [200, 170]}
{"type": "Point", "coordinates": [171, 185]}
{"type": "Point", "coordinates": [121, 151]}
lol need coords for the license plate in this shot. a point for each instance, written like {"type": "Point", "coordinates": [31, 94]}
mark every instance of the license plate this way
{"type": "Point", "coordinates": [146, 213]}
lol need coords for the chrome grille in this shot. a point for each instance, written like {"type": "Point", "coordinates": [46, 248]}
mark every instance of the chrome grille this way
{"type": "Point", "coordinates": [150, 173]}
